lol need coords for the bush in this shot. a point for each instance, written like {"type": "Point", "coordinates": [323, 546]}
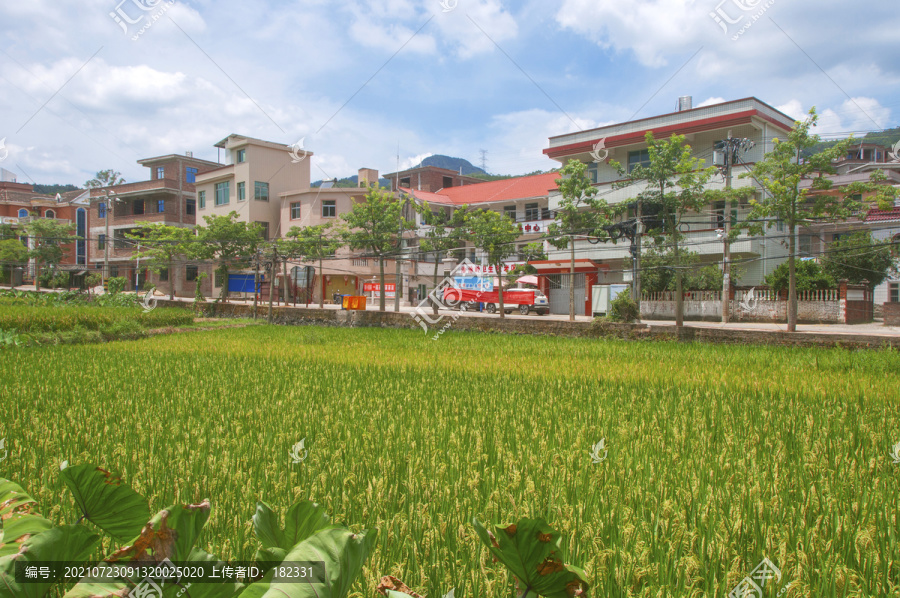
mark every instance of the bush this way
{"type": "Point", "coordinates": [810, 277]}
{"type": "Point", "coordinates": [60, 280]}
{"type": "Point", "coordinates": [623, 308]}
{"type": "Point", "coordinates": [39, 319]}
{"type": "Point", "coordinates": [115, 285]}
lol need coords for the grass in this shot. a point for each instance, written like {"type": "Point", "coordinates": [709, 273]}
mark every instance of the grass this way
{"type": "Point", "coordinates": [718, 456]}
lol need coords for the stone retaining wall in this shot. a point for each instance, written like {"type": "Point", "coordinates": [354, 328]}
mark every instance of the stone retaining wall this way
{"type": "Point", "coordinates": [292, 316]}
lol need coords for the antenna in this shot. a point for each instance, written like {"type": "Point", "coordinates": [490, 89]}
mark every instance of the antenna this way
{"type": "Point", "coordinates": [483, 159]}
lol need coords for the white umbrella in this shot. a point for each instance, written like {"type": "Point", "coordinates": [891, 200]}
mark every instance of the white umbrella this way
{"type": "Point", "coordinates": [528, 279]}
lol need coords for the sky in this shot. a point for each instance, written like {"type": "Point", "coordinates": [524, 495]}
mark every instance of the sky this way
{"type": "Point", "coordinates": [89, 85]}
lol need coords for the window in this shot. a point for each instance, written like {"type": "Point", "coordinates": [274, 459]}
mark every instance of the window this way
{"type": "Point", "coordinates": [217, 279]}
{"type": "Point", "coordinates": [295, 210]}
{"type": "Point", "coordinates": [779, 225]}
{"type": "Point", "coordinates": [138, 207]}
{"type": "Point", "coordinates": [190, 207]}
{"type": "Point", "coordinates": [49, 214]}
{"type": "Point", "coordinates": [242, 191]}
{"type": "Point", "coordinates": [160, 172]}
{"type": "Point", "coordinates": [894, 292]}
{"type": "Point", "coordinates": [113, 271]}
{"type": "Point", "coordinates": [190, 273]}
{"type": "Point", "coordinates": [164, 275]}
{"type": "Point", "coordinates": [222, 193]}
{"type": "Point", "coordinates": [265, 229]}
{"type": "Point", "coordinates": [532, 211]}
{"type": "Point", "coordinates": [260, 191]}
{"type": "Point", "coordinates": [404, 182]}
{"type": "Point", "coordinates": [101, 242]}
{"type": "Point", "coordinates": [510, 212]}
{"type": "Point", "coordinates": [545, 213]}
{"type": "Point", "coordinates": [201, 197]}
{"type": "Point", "coordinates": [448, 182]}
{"type": "Point", "coordinates": [638, 158]}
{"type": "Point", "coordinates": [190, 175]}
{"type": "Point", "coordinates": [592, 172]}
{"type": "Point", "coordinates": [805, 243]}
{"type": "Point", "coordinates": [837, 236]}
{"type": "Point", "coordinates": [241, 155]}
{"type": "Point", "coordinates": [160, 206]}
{"type": "Point", "coordinates": [329, 210]}
{"type": "Point", "coordinates": [101, 210]}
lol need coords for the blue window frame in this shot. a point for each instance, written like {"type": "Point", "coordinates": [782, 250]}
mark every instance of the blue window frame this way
{"type": "Point", "coordinates": [81, 231]}
{"type": "Point", "coordinates": [160, 205]}
{"type": "Point", "coordinates": [23, 213]}
{"type": "Point", "coordinates": [190, 175]}
{"type": "Point", "coordinates": [101, 209]}
{"type": "Point", "coordinates": [160, 172]}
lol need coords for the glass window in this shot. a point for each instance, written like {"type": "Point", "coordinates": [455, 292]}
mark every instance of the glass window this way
{"type": "Point", "coordinates": [164, 275]}
{"type": "Point", "coordinates": [101, 242]}
{"type": "Point", "coordinates": [113, 271]}
{"type": "Point", "coordinates": [160, 206]}
{"type": "Point", "coordinates": [242, 191]}
{"type": "Point", "coordinates": [190, 175]}
{"type": "Point", "coordinates": [805, 243]}
{"type": "Point", "coordinates": [217, 279]}
{"type": "Point", "coordinates": [160, 172]}
{"type": "Point", "coordinates": [261, 191]}
{"type": "Point", "coordinates": [190, 273]}
{"type": "Point", "coordinates": [510, 212]}
{"type": "Point", "coordinates": [265, 229]}
{"type": "Point", "coordinates": [201, 197]}
{"type": "Point", "coordinates": [545, 213]}
{"type": "Point", "coordinates": [49, 214]}
{"type": "Point", "coordinates": [329, 209]}
{"type": "Point", "coordinates": [190, 207]}
{"type": "Point", "coordinates": [222, 193]}
{"type": "Point", "coordinates": [532, 211]}
{"type": "Point", "coordinates": [242, 155]}
{"type": "Point", "coordinates": [638, 158]}
{"type": "Point", "coordinates": [894, 292]}
{"type": "Point", "coordinates": [295, 210]}
{"type": "Point", "coordinates": [101, 210]}
{"type": "Point", "coordinates": [138, 207]}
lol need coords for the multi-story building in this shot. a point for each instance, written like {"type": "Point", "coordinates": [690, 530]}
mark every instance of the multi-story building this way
{"type": "Point", "coordinates": [19, 204]}
{"type": "Point", "coordinates": [429, 178]}
{"type": "Point", "coordinates": [625, 143]}
{"type": "Point", "coordinates": [253, 182]}
{"type": "Point", "coordinates": [169, 197]}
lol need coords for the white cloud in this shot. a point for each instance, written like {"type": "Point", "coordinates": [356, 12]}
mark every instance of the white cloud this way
{"type": "Point", "coordinates": [414, 161]}
{"type": "Point", "coordinates": [710, 102]}
{"type": "Point", "coordinates": [474, 26]}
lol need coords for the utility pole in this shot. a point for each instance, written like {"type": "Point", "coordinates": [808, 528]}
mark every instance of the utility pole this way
{"type": "Point", "coordinates": [636, 277]}
{"type": "Point", "coordinates": [398, 282]}
{"type": "Point", "coordinates": [256, 285]}
{"type": "Point", "coordinates": [272, 279]}
{"type": "Point", "coordinates": [731, 147]}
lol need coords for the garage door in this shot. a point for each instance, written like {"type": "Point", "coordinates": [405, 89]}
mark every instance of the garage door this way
{"type": "Point", "coordinates": [559, 293]}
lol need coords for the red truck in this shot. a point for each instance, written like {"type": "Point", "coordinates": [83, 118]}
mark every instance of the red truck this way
{"type": "Point", "coordinates": [464, 299]}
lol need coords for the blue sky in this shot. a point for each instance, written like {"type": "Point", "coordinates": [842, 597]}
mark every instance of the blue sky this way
{"type": "Point", "coordinates": [80, 94]}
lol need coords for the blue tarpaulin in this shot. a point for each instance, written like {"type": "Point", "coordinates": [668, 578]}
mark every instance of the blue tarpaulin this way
{"type": "Point", "coordinates": [242, 283]}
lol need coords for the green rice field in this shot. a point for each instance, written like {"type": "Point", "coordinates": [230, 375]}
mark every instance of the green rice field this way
{"type": "Point", "coordinates": [715, 457]}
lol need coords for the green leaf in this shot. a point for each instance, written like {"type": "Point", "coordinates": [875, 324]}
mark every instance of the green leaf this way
{"type": "Point", "coordinates": [171, 534]}
{"type": "Point", "coordinates": [69, 543]}
{"type": "Point", "coordinates": [106, 500]}
{"type": "Point", "coordinates": [17, 517]}
{"type": "Point", "coordinates": [303, 518]}
{"type": "Point", "coordinates": [343, 553]}
{"type": "Point", "coordinates": [530, 550]}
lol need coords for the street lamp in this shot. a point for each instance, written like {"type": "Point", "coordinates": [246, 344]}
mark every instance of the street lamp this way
{"type": "Point", "coordinates": [108, 198]}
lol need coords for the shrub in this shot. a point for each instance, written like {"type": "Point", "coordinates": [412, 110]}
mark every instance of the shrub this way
{"type": "Point", "coordinates": [623, 308]}
{"type": "Point", "coordinates": [115, 285]}
{"type": "Point", "coordinates": [60, 280]}
{"type": "Point", "coordinates": [810, 277]}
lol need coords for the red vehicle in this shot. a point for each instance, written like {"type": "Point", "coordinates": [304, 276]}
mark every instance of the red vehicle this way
{"type": "Point", "coordinates": [464, 299]}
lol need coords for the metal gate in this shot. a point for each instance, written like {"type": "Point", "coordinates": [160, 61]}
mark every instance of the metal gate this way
{"type": "Point", "coordinates": [559, 293]}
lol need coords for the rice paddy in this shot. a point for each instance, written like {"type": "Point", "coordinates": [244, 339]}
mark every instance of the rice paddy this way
{"type": "Point", "coordinates": [713, 457]}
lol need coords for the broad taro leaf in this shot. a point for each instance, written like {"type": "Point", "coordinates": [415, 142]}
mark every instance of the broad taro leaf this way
{"type": "Point", "coordinates": [171, 534]}
{"type": "Point", "coordinates": [302, 519]}
{"type": "Point", "coordinates": [530, 550]}
{"type": "Point", "coordinates": [107, 501]}
{"type": "Point", "coordinates": [18, 520]}
{"type": "Point", "coordinates": [93, 588]}
{"type": "Point", "coordinates": [343, 553]}
{"type": "Point", "coordinates": [69, 543]}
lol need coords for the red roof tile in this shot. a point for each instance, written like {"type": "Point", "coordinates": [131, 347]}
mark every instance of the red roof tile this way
{"type": "Point", "coordinates": [876, 215]}
{"type": "Point", "coordinates": [525, 187]}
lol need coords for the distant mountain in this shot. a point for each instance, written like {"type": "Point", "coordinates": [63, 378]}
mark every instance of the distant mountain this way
{"type": "Point", "coordinates": [450, 163]}
{"type": "Point", "coordinates": [54, 189]}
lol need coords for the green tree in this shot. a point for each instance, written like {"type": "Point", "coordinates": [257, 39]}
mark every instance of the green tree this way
{"type": "Point", "coordinates": [160, 244]}
{"type": "Point", "coordinates": [374, 226]}
{"type": "Point", "coordinates": [105, 178]}
{"type": "Point", "coordinates": [659, 270]}
{"type": "Point", "coordinates": [228, 241]}
{"type": "Point", "coordinates": [674, 184]}
{"type": "Point", "coordinates": [312, 244]}
{"type": "Point", "coordinates": [781, 174]}
{"type": "Point", "coordinates": [47, 236]}
{"type": "Point", "coordinates": [579, 213]}
{"type": "Point", "coordinates": [495, 235]}
{"type": "Point", "coordinates": [443, 232]}
{"type": "Point", "coordinates": [12, 253]}
{"type": "Point", "coordinates": [808, 276]}
{"type": "Point", "coordinates": [859, 257]}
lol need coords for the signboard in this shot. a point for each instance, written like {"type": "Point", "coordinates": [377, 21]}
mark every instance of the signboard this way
{"type": "Point", "coordinates": [474, 283]}
{"type": "Point", "coordinates": [475, 270]}
{"type": "Point", "coordinates": [9, 220]}
{"type": "Point", "coordinates": [374, 288]}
